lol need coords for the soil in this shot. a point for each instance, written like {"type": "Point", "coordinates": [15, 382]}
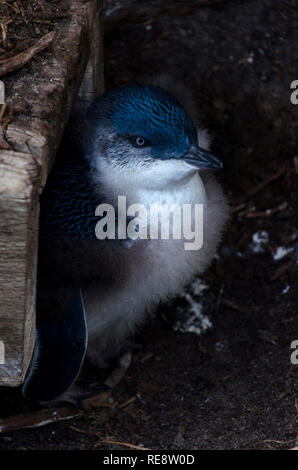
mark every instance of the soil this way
{"type": "Point", "coordinates": [23, 22]}
{"type": "Point", "coordinates": [233, 386]}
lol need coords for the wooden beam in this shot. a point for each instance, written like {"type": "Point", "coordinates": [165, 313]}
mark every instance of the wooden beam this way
{"type": "Point", "coordinates": [19, 180]}
{"type": "Point", "coordinates": [71, 66]}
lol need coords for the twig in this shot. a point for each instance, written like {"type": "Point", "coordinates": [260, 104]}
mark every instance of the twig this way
{"type": "Point", "coordinates": [38, 418]}
{"type": "Point", "coordinates": [120, 443]}
{"type": "Point", "coordinates": [267, 212]}
{"type": "Point", "coordinates": [4, 31]}
{"type": "Point", "coordinates": [106, 440]}
{"type": "Point", "coordinates": [128, 402]}
{"type": "Point", "coordinates": [259, 187]}
{"type": "Point", "coordinates": [279, 442]}
{"type": "Point", "coordinates": [230, 304]}
{"type": "Point", "coordinates": [112, 381]}
{"type": "Point", "coordinates": [16, 62]}
{"type": "Point", "coordinates": [22, 11]}
{"type": "Point", "coordinates": [9, 5]}
{"type": "Point", "coordinates": [253, 191]}
{"type": "Point", "coordinates": [283, 269]}
{"type": "Point", "coordinates": [42, 21]}
{"type": "Point", "coordinates": [238, 208]}
{"type": "Point", "coordinates": [41, 418]}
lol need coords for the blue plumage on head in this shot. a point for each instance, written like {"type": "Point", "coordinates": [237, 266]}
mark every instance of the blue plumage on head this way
{"type": "Point", "coordinates": [148, 111]}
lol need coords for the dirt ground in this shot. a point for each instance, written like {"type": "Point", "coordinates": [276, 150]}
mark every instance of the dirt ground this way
{"type": "Point", "coordinates": [233, 386]}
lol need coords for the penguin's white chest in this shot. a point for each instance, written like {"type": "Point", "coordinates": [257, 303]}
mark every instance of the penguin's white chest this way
{"type": "Point", "coordinates": [161, 265]}
{"type": "Point", "coordinates": [154, 268]}
{"type": "Point", "coordinates": [173, 214]}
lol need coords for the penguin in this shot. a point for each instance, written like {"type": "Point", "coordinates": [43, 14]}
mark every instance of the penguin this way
{"type": "Point", "coordinates": [143, 142]}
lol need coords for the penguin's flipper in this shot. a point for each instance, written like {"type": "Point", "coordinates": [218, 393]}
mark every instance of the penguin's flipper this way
{"type": "Point", "coordinates": [60, 347]}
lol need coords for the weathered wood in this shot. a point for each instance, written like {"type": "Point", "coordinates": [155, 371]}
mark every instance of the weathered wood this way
{"type": "Point", "coordinates": [19, 178]}
{"type": "Point", "coordinates": [41, 97]}
{"type": "Point", "coordinates": [92, 84]}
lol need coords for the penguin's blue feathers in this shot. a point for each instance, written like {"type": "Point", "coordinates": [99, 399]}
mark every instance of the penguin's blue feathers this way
{"type": "Point", "coordinates": [145, 110]}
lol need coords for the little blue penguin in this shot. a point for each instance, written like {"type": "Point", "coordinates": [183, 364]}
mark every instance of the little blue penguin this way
{"type": "Point", "coordinates": [144, 142]}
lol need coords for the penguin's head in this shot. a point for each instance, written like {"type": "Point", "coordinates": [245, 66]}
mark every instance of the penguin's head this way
{"type": "Point", "coordinates": [144, 132]}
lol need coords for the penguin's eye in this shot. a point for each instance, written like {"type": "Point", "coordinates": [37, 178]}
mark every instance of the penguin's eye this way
{"type": "Point", "coordinates": [138, 141]}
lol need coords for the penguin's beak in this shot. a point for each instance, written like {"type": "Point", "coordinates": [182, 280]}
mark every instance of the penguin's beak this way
{"type": "Point", "coordinates": [201, 159]}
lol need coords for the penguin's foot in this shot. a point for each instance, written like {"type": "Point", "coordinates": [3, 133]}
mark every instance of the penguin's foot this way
{"type": "Point", "coordinates": [108, 357]}
{"type": "Point", "coordinates": [75, 395]}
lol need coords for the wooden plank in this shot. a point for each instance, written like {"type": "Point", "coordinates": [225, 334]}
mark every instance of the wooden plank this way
{"type": "Point", "coordinates": [19, 182]}
{"type": "Point", "coordinates": [51, 83]}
